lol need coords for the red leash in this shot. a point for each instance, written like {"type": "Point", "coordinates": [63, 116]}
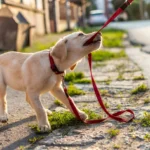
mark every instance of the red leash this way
{"type": "Point", "coordinates": [115, 116]}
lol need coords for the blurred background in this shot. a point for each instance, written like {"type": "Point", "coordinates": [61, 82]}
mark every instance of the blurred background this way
{"type": "Point", "coordinates": [21, 21]}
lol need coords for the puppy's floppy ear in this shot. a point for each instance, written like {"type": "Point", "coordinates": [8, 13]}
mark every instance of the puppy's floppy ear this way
{"type": "Point", "coordinates": [73, 67]}
{"type": "Point", "coordinates": [59, 50]}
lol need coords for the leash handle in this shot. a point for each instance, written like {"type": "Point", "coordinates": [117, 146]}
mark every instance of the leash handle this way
{"type": "Point", "coordinates": [118, 11]}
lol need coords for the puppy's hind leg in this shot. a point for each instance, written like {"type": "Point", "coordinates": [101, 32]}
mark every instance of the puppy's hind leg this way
{"type": "Point", "coordinates": [3, 103]}
{"type": "Point", "coordinates": [34, 101]}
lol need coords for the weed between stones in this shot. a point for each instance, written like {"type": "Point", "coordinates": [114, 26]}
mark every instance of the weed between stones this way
{"type": "Point", "coordinates": [64, 119]}
{"type": "Point", "coordinates": [120, 76]}
{"type": "Point", "coordinates": [113, 132]}
{"type": "Point", "coordinates": [77, 77]}
{"type": "Point", "coordinates": [73, 90]}
{"type": "Point", "coordinates": [139, 77]}
{"type": "Point", "coordinates": [35, 139]}
{"type": "Point", "coordinates": [104, 92]}
{"type": "Point", "coordinates": [147, 137]}
{"type": "Point", "coordinates": [58, 102]}
{"type": "Point", "coordinates": [145, 120]}
{"type": "Point", "coordinates": [70, 77]}
{"type": "Point", "coordinates": [116, 146]}
{"type": "Point", "coordinates": [147, 100]}
{"type": "Point", "coordinates": [139, 89]}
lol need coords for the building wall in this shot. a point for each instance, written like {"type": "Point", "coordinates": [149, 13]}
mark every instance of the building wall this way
{"type": "Point", "coordinates": [73, 15]}
{"type": "Point", "coordinates": [33, 13]}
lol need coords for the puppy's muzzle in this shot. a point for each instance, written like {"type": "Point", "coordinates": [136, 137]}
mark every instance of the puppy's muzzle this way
{"type": "Point", "coordinates": [93, 39]}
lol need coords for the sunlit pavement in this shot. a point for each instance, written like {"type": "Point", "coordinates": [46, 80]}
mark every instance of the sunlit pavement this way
{"type": "Point", "coordinates": [138, 31]}
{"type": "Point", "coordinates": [127, 25]}
{"type": "Point", "coordinates": [139, 34]}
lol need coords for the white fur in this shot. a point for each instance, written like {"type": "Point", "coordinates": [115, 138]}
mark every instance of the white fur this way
{"type": "Point", "coordinates": [31, 73]}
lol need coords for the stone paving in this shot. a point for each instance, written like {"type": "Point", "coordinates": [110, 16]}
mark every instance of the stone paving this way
{"type": "Point", "coordinates": [87, 137]}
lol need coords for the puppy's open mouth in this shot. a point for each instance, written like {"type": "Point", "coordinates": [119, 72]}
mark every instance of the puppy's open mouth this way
{"type": "Point", "coordinates": [92, 41]}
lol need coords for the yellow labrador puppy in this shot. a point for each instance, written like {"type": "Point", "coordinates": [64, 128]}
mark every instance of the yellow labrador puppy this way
{"type": "Point", "coordinates": [32, 73]}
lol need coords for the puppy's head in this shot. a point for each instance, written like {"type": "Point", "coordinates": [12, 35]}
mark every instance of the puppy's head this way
{"type": "Point", "coordinates": [71, 48]}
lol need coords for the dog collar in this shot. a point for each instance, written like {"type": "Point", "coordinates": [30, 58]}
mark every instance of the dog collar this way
{"type": "Point", "coordinates": [53, 66]}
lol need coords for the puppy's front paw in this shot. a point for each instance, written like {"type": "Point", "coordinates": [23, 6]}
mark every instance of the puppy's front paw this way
{"type": "Point", "coordinates": [83, 115]}
{"type": "Point", "coordinates": [4, 118]}
{"type": "Point", "coordinates": [45, 128]}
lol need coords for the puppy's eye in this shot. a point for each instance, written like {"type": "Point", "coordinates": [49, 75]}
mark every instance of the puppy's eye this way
{"type": "Point", "coordinates": [80, 34]}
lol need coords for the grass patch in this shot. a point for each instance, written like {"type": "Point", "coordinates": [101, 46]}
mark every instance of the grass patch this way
{"type": "Point", "coordinates": [116, 146]}
{"type": "Point", "coordinates": [73, 90]}
{"type": "Point", "coordinates": [105, 55]}
{"type": "Point", "coordinates": [147, 137]}
{"type": "Point", "coordinates": [113, 132]}
{"type": "Point", "coordinates": [119, 106]}
{"type": "Point", "coordinates": [58, 102]}
{"type": "Point", "coordinates": [104, 92]}
{"type": "Point", "coordinates": [106, 105]}
{"type": "Point", "coordinates": [58, 120]}
{"type": "Point", "coordinates": [120, 76]}
{"type": "Point", "coordinates": [145, 120]}
{"type": "Point", "coordinates": [64, 119]}
{"type": "Point", "coordinates": [111, 37]}
{"type": "Point", "coordinates": [35, 139]}
{"type": "Point", "coordinates": [139, 77]}
{"type": "Point", "coordinates": [139, 89]}
{"type": "Point", "coordinates": [38, 46]}
{"type": "Point", "coordinates": [70, 77]}
{"type": "Point", "coordinates": [147, 100]}
{"type": "Point", "coordinates": [82, 81]}
{"type": "Point", "coordinates": [21, 147]}
{"type": "Point", "coordinates": [92, 114]}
